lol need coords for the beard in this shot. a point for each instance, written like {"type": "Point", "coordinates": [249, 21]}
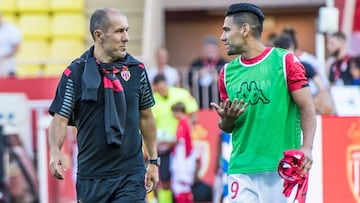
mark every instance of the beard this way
{"type": "Point", "coordinates": [335, 53]}
{"type": "Point", "coordinates": [233, 50]}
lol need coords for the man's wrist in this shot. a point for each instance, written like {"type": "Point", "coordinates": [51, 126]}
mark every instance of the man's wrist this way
{"type": "Point", "coordinates": [156, 161]}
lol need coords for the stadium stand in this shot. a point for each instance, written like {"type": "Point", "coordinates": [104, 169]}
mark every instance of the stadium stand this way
{"type": "Point", "coordinates": [33, 6]}
{"type": "Point", "coordinates": [53, 33]}
{"type": "Point", "coordinates": [7, 6]}
{"type": "Point", "coordinates": [32, 57]}
{"type": "Point", "coordinates": [35, 26]}
{"type": "Point", "coordinates": [67, 5]}
{"type": "Point", "coordinates": [61, 52]}
{"type": "Point", "coordinates": [68, 25]}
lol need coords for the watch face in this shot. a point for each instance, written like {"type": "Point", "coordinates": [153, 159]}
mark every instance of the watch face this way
{"type": "Point", "coordinates": [155, 161]}
{"type": "Point", "coordinates": [158, 161]}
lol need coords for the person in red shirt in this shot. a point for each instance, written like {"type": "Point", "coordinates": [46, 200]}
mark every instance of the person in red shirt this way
{"type": "Point", "coordinates": [182, 158]}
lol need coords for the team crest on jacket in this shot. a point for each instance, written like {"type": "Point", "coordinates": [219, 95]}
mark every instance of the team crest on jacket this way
{"type": "Point", "coordinates": [125, 73]}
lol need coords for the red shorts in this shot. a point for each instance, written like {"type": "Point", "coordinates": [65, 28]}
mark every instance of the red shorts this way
{"type": "Point", "coordinates": [184, 198]}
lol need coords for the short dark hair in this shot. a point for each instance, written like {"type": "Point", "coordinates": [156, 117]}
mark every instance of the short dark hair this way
{"type": "Point", "coordinates": [99, 20]}
{"type": "Point", "coordinates": [283, 41]}
{"type": "Point", "coordinates": [247, 13]}
{"type": "Point", "coordinates": [292, 33]}
{"type": "Point", "coordinates": [339, 35]}
{"type": "Point", "coordinates": [178, 107]}
{"type": "Point", "coordinates": [159, 78]}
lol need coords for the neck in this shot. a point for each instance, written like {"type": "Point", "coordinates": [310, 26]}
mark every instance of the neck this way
{"type": "Point", "coordinates": [341, 55]}
{"type": "Point", "coordinates": [253, 50]}
{"type": "Point", "coordinates": [99, 53]}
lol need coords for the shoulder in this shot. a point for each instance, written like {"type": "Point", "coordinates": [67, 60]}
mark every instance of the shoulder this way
{"type": "Point", "coordinates": [280, 51]}
{"type": "Point", "coordinates": [75, 68]}
{"type": "Point", "coordinates": [77, 64]}
{"type": "Point", "coordinates": [132, 61]}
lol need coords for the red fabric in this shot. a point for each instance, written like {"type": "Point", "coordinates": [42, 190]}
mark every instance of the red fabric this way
{"type": "Point", "coordinates": [183, 132]}
{"type": "Point", "coordinates": [295, 73]}
{"type": "Point", "coordinates": [340, 4]}
{"type": "Point", "coordinates": [209, 64]}
{"type": "Point", "coordinates": [257, 58]}
{"type": "Point", "coordinates": [115, 85]}
{"type": "Point", "coordinates": [67, 71]}
{"type": "Point", "coordinates": [221, 84]}
{"type": "Point", "coordinates": [290, 170]}
{"type": "Point", "coordinates": [356, 23]}
{"type": "Point", "coordinates": [184, 198]}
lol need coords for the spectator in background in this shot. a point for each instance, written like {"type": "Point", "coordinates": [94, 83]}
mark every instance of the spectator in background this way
{"type": "Point", "coordinates": [204, 72]}
{"type": "Point", "coordinates": [171, 74]}
{"type": "Point", "coordinates": [339, 60]}
{"type": "Point", "coordinates": [270, 39]}
{"type": "Point", "coordinates": [322, 99]}
{"type": "Point", "coordinates": [165, 97]}
{"type": "Point", "coordinates": [183, 157]}
{"type": "Point", "coordinates": [355, 69]}
{"type": "Point", "coordinates": [10, 39]}
{"type": "Point", "coordinates": [305, 56]}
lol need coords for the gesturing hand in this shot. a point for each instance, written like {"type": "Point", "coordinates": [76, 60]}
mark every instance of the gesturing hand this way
{"type": "Point", "coordinates": [230, 109]}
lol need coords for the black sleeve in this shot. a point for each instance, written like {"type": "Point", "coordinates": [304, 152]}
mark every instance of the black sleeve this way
{"type": "Point", "coordinates": [65, 97]}
{"type": "Point", "coordinates": [310, 72]}
{"type": "Point", "coordinates": [146, 97]}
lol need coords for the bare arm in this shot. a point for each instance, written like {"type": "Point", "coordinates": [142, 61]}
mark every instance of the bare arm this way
{"type": "Point", "coordinates": [322, 100]}
{"type": "Point", "coordinates": [57, 134]}
{"type": "Point", "coordinates": [304, 101]}
{"type": "Point", "coordinates": [148, 131]}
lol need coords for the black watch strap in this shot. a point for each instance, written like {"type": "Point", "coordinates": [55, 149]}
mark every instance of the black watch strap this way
{"type": "Point", "coordinates": [156, 161]}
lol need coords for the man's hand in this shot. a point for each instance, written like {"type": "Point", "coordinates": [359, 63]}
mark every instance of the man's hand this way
{"type": "Point", "coordinates": [308, 160]}
{"type": "Point", "coordinates": [229, 112]}
{"type": "Point", "coordinates": [152, 177]}
{"type": "Point", "coordinates": [230, 109]}
{"type": "Point", "coordinates": [57, 164]}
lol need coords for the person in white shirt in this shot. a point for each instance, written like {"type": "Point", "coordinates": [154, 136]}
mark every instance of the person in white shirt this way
{"type": "Point", "coordinates": [10, 39]}
{"type": "Point", "coordinates": [171, 74]}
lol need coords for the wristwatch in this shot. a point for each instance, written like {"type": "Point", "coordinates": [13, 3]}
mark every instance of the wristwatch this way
{"type": "Point", "coordinates": [156, 161]}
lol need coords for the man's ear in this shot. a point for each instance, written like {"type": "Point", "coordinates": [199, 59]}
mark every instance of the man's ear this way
{"type": "Point", "coordinates": [245, 29]}
{"type": "Point", "coordinates": [98, 35]}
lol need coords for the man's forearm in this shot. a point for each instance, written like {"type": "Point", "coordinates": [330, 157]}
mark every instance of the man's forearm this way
{"type": "Point", "coordinates": [308, 125]}
{"type": "Point", "coordinates": [148, 131]}
{"type": "Point", "coordinates": [57, 133]}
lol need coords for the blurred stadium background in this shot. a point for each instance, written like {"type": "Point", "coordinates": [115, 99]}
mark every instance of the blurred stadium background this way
{"type": "Point", "coordinates": [56, 31]}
